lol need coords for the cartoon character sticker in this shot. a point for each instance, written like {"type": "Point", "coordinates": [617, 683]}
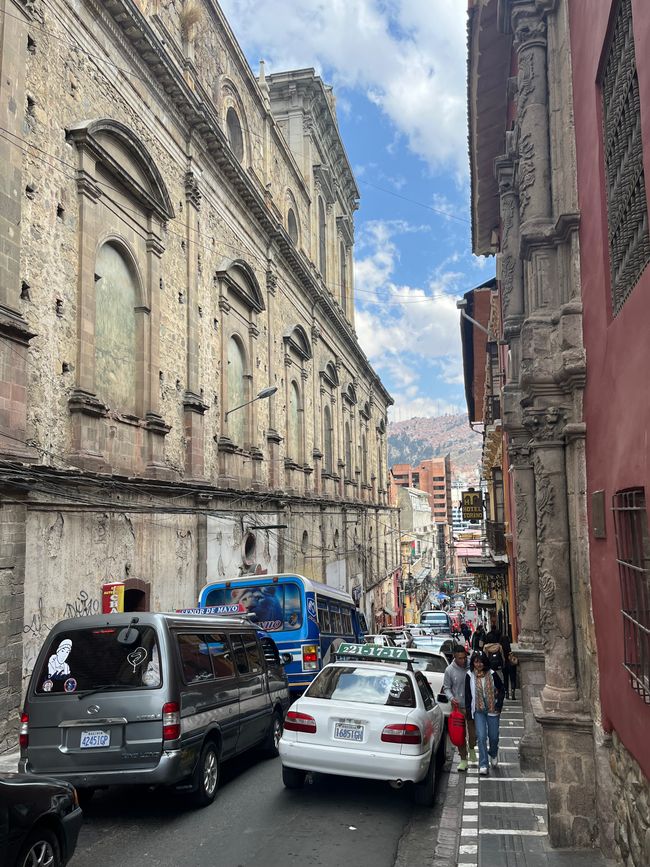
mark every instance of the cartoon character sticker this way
{"type": "Point", "coordinates": [70, 685]}
{"type": "Point", "coordinates": [48, 685]}
{"type": "Point", "coordinates": [57, 667]}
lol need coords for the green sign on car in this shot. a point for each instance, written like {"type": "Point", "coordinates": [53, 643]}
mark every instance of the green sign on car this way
{"type": "Point", "coordinates": [373, 651]}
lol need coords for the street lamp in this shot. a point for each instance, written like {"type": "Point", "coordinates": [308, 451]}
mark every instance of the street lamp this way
{"type": "Point", "coordinates": [265, 392]}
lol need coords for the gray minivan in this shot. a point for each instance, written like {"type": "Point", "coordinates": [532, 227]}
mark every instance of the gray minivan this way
{"type": "Point", "coordinates": [154, 699]}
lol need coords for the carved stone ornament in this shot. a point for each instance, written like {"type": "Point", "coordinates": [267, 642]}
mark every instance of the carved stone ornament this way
{"type": "Point", "coordinates": [521, 506]}
{"type": "Point", "coordinates": [271, 282]}
{"type": "Point", "coordinates": [544, 505]}
{"type": "Point", "coordinates": [526, 172]}
{"type": "Point", "coordinates": [546, 425]}
{"type": "Point", "coordinates": [192, 190]}
{"type": "Point", "coordinates": [525, 79]}
{"type": "Point", "coordinates": [529, 29]}
{"type": "Point", "coordinates": [523, 581]}
{"type": "Point", "coordinates": [508, 264]}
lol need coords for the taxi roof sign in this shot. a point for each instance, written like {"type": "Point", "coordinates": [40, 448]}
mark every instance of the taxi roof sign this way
{"type": "Point", "coordinates": [374, 651]}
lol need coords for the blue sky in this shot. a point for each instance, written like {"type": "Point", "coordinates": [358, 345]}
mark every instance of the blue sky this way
{"type": "Point", "coordinates": [398, 68]}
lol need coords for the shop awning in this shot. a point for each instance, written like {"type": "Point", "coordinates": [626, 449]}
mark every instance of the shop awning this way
{"type": "Point", "coordinates": [485, 566]}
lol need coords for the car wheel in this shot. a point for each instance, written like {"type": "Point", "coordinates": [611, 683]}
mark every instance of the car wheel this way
{"type": "Point", "coordinates": [271, 746]}
{"type": "Point", "coordinates": [441, 753]}
{"type": "Point", "coordinates": [293, 778]}
{"type": "Point", "coordinates": [207, 776]}
{"type": "Point", "coordinates": [425, 790]}
{"type": "Point", "coordinates": [41, 849]}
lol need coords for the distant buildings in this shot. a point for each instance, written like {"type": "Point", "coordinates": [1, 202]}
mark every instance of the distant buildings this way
{"type": "Point", "coordinates": [431, 476]}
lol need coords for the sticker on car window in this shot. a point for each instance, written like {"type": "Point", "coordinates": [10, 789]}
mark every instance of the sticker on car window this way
{"type": "Point", "coordinates": [57, 667]}
{"type": "Point", "coordinates": [47, 685]}
{"type": "Point", "coordinates": [137, 657]}
{"type": "Point", "coordinates": [70, 685]}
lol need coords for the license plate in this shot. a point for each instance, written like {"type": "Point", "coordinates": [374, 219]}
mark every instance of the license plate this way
{"type": "Point", "coordinates": [347, 732]}
{"type": "Point", "coordinates": [94, 739]}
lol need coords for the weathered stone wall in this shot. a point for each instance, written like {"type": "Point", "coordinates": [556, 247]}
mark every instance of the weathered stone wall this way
{"type": "Point", "coordinates": [631, 805]}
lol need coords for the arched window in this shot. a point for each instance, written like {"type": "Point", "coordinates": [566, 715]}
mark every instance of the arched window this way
{"type": "Point", "coordinates": [295, 424]}
{"type": "Point", "coordinates": [344, 274]}
{"type": "Point", "coordinates": [292, 225]}
{"type": "Point", "coordinates": [116, 297]}
{"type": "Point", "coordinates": [328, 451]}
{"type": "Point", "coordinates": [235, 137]}
{"type": "Point", "coordinates": [237, 392]}
{"type": "Point", "coordinates": [348, 451]}
{"type": "Point", "coordinates": [322, 239]}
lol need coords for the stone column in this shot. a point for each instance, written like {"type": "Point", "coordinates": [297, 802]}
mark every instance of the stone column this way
{"type": "Point", "coordinates": [194, 407]}
{"type": "Point", "coordinates": [529, 649]}
{"type": "Point", "coordinates": [534, 175]}
{"type": "Point", "coordinates": [273, 436]}
{"type": "Point", "coordinates": [553, 555]}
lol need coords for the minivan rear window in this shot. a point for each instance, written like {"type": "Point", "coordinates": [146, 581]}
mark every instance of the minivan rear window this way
{"type": "Point", "coordinates": [79, 660]}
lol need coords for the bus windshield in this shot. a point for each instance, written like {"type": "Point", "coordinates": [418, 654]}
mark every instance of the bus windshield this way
{"type": "Point", "coordinates": [274, 607]}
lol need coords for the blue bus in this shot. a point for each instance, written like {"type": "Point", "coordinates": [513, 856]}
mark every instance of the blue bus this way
{"type": "Point", "coordinates": [302, 616]}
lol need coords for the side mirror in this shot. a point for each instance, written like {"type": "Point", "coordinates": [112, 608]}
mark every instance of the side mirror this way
{"type": "Point", "coordinates": [286, 658]}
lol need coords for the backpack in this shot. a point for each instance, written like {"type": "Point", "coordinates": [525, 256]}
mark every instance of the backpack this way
{"type": "Point", "coordinates": [495, 657]}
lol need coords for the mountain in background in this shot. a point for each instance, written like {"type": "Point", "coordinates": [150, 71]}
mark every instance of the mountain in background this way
{"type": "Point", "coordinates": [418, 439]}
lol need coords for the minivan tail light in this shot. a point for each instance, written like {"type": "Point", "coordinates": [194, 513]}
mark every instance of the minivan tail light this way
{"type": "Point", "coordinates": [23, 738]}
{"type": "Point", "coordinates": [171, 720]}
{"type": "Point", "coordinates": [401, 733]}
{"type": "Point", "coordinates": [300, 722]}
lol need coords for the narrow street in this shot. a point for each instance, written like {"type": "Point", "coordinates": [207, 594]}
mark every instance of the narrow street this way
{"type": "Point", "coordinates": [255, 820]}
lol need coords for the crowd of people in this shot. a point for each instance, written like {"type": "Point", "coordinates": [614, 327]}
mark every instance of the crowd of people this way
{"type": "Point", "coordinates": [482, 675]}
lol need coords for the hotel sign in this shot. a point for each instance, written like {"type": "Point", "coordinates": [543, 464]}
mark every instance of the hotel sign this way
{"type": "Point", "coordinates": [472, 506]}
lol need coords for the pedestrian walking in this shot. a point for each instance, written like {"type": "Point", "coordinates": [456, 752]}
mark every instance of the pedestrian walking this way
{"type": "Point", "coordinates": [484, 696]}
{"type": "Point", "coordinates": [478, 639]}
{"type": "Point", "coordinates": [453, 686]}
{"type": "Point", "coordinates": [510, 675]}
{"type": "Point", "coordinates": [493, 646]}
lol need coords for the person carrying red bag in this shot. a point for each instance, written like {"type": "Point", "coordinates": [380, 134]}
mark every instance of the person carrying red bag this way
{"type": "Point", "coordinates": [453, 686]}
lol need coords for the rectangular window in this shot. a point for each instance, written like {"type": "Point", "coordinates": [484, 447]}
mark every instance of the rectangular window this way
{"type": "Point", "coordinates": [627, 207]}
{"type": "Point", "coordinates": [335, 616]}
{"type": "Point", "coordinates": [323, 616]}
{"type": "Point", "coordinates": [195, 657]}
{"type": "Point", "coordinates": [221, 655]}
{"type": "Point", "coordinates": [633, 558]}
{"type": "Point", "coordinates": [272, 607]}
{"type": "Point", "coordinates": [241, 658]}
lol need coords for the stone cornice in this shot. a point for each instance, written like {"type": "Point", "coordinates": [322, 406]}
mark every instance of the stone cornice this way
{"type": "Point", "coordinates": [534, 235]}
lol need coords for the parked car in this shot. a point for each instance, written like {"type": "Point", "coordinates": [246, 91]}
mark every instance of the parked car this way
{"type": "Point", "coordinates": [400, 635]}
{"type": "Point", "coordinates": [153, 699]}
{"type": "Point", "coordinates": [381, 640]}
{"type": "Point", "coordinates": [432, 664]}
{"type": "Point", "coordinates": [369, 715]}
{"type": "Point", "coordinates": [437, 643]}
{"type": "Point", "coordinates": [438, 622]}
{"type": "Point", "coordinates": [39, 821]}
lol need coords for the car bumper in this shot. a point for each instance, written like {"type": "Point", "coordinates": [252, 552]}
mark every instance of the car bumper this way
{"type": "Point", "coordinates": [171, 768]}
{"type": "Point", "coordinates": [352, 763]}
{"type": "Point", "coordinates": [71, 826]}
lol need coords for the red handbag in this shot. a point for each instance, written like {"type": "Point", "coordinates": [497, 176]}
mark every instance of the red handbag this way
{"type": "Point", "coordinates": [456, 727]}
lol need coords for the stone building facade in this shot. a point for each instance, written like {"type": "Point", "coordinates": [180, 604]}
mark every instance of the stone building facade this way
{"type": "Point", "coordinates": [176, 235]}
{"type": "Point", "coordinates": [525, 210]}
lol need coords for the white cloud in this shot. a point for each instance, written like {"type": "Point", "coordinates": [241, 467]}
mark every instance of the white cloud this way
{"type": "Point", "coordinates": [408, 56]}
{"type": "Point", "coordinates": [421, 407]}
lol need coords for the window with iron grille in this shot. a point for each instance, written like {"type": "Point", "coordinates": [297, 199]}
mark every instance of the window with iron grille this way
{"type": "Point", "coordinates": [627, 206]}
{"type": "Point", "coordinates": [633, 558]}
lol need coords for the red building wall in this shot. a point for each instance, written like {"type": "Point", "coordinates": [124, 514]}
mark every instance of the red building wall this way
{"type": "Point", "coordinates": [617, 396]}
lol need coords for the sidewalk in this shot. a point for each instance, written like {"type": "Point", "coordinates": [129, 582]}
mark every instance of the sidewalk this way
{"type": "Point", "coordinates": [504, 815]}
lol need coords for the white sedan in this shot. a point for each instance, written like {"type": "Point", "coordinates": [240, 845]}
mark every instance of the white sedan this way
{"type": "Point", "coordinates": [367, 715]}
{"type": "Point", "coordinates": [433, 665]}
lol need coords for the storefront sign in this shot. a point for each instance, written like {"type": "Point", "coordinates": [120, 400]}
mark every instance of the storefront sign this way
{"type": "Point", "coordinates": [113, 598]}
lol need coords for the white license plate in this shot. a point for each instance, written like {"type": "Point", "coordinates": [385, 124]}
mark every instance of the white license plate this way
{"type": "Point", "coordinates": [93, 739]}
{"type": "Point", "coordinates": [347, 732]}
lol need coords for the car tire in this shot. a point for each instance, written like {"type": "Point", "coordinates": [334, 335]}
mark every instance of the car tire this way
{"type": "Point", "coordinates": [441, 752]}
{"type": "Point", "coordinates": [207, 776]}
{"type": "Point", "coordinates": [41, 847]}
{"type": "Point", "coordinates": [424, 792]}
{"type": "Point", "coordinates": [293, 778]}
{"type": "Point", "coordinates": [271, 746]}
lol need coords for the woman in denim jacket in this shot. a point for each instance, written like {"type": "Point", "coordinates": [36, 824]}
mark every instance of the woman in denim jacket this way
{"type": "Point", "coordinates": [484, 694]}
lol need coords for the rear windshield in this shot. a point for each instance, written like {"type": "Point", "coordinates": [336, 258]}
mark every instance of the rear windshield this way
{"type": "Point", "coordinates": [435, 617]}
{"type": "Point", "coordinates": [360, 684]}
{"type": "Point", "coordinates": [272, 607]}
{"type": "Point", "coordinates": [429, 663]}
{"type": "Point", "coordinates": [89, 659]}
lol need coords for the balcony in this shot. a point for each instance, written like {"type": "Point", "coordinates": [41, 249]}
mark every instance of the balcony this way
{"type": "Point", "coordinates": [495, 532]}
{"type": "Point", "coordinates": [492, 409]}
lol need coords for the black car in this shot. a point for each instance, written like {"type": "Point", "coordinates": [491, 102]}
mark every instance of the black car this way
{"type": "Point", "coordinates": [39, 821]}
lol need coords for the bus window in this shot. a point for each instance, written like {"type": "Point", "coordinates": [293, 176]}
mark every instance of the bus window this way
{"type": "Point", "coordinates": [323, 616]}
{"type": "Point", "coordinates": [337, 624]}
{"type": "Point", "coordinates": [274, 608]}
{"type": "Point", "coordinates": [347, 621]}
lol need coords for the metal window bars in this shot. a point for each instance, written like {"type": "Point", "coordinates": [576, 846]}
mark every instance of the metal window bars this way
{"type": "Point", "coordinates": [633, 558]}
